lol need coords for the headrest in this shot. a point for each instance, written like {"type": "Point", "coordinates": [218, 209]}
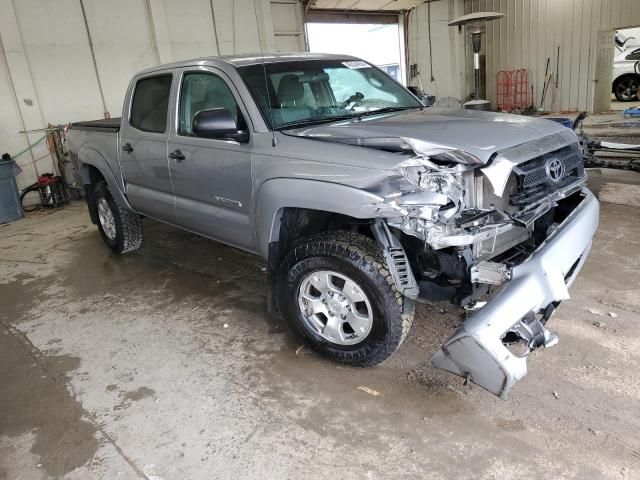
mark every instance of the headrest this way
{"type": "Point", "coordinates": [290, 88]}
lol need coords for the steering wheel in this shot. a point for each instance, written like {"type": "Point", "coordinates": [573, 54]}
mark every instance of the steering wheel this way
{"type": "Point", "coordinates": [356, 99]}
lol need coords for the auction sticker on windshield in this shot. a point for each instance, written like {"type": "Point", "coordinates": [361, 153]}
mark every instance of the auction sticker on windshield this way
{"type": "Point", "coordinates": [356, 64]}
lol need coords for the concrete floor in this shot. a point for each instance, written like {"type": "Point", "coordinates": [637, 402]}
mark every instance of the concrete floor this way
{"type": "Point", "coordinates": [163, 364]}
{"type": "Point", "coordinates": [613, 126]}
{"type": "Point", "coordinates": [617, 105]}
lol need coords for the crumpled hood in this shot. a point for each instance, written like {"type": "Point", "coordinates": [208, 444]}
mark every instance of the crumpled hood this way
{"type": "Point", "coordinates": [478, 133]}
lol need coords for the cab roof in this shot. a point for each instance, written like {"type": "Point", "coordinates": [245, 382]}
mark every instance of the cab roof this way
{"type": "Point", "coordinates": [249, 59]}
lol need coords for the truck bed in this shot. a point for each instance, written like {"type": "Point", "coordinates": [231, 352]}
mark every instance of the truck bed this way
{"type": "Point", "coordinates": [97, 142]}
{"type": "Point", "coordinates": [102, 125]}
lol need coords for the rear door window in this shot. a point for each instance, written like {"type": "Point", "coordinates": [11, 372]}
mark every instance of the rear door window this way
{"type": "Point", "coordinates": [151, 103]}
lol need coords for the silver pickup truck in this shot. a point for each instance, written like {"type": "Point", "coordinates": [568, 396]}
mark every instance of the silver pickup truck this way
{"type": "Point", "coordinates": [360, 200]}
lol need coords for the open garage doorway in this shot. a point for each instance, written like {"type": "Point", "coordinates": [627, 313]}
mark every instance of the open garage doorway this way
{"type": "Point", "coordinates": [617, 75]}
{"type": "Point", "coordinates": [374, 38]}
{"type": "Point", "coordinates": [626, 69]}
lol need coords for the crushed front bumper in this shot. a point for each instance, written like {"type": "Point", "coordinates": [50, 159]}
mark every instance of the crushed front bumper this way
{"type": "Point", "coordinates": [476, 351]}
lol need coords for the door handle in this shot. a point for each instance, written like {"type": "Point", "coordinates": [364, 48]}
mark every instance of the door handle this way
{"type": "Point", "coordinates": [127, 148]}
{"type": "Point", "coordinates": [177, 155]}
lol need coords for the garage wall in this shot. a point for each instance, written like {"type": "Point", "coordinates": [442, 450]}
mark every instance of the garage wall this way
{"type": "Point", "coordinates": [532, 30]}
{"type": "Point", "coordinates": [49, 74]}
{"type": "Point", "coordinates": [445, 59]}
{"type": "Point", "coordinates": [288, 26]}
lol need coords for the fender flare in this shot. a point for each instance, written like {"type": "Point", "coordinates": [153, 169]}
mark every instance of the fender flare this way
{"type": "Point", "coordinates": [90, 156]}
{"type": "Point", "coordinates": [277, 194]}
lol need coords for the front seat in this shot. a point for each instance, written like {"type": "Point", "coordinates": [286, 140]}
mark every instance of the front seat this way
{"type": "Point", "coordinates": [218, 96]}
{"type": "Point", "coordinates": [290, 97]}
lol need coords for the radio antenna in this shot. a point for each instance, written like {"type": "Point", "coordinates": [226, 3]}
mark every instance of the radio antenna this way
{"type": "Point", "coordinates": [274, 139]}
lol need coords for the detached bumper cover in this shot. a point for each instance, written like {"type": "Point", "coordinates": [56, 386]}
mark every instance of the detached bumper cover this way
{"type": "Point", "coordinates": [476, 351]}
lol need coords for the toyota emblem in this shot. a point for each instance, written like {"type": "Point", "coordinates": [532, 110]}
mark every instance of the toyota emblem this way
{"type": "Point", "coordinates": [555, 170]}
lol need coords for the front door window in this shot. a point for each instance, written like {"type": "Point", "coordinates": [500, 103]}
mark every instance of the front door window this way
{"type": "Point", "coordinates": [204, 91]}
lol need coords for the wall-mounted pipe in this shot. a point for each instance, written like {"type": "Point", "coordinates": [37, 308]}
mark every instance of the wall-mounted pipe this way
{"type": "Point", "coordinates": [93, 58]}
{"type": "Point", "coordinates": [215, 27]}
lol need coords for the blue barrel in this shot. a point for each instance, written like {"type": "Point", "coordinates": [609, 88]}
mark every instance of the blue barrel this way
{"type": "Point", "coordinates": [10, 208]}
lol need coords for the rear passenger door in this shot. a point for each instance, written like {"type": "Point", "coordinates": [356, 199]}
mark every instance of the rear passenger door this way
{"type": "Point", "coordinates": [211, 177]}
{"type": "Point", "coordinates": [143, 142]}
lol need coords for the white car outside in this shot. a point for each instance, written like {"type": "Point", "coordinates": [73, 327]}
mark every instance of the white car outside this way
{"type": "Point", "coordinates": [626, 68]}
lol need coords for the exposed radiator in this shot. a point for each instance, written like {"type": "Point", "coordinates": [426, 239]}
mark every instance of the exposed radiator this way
{"type": "Point", "coordinates": [488, 249]}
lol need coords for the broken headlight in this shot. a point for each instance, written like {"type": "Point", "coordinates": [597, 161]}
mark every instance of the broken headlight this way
{"type": "Point", "coordinates": [429, 187]}
{"type": "Point", "coordinates": [442, 182]}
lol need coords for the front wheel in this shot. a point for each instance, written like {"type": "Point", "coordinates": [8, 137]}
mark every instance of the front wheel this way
{"type": "Point", "coordinates": [120, 228]}
{"type": "Point", "coordinates": [339, 298]}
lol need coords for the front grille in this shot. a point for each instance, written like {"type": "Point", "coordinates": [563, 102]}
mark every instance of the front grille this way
{"type": "Point", "coordinates": [534, 172]}
{"type": "Point", "coordinates": [541, 176]}
{"type": "Point", "coordinates": [530, 181]}
{"type": "Point", "coordinates": [528, 184]}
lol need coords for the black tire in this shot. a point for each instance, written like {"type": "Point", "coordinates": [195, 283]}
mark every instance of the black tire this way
{"type": "Point", "coordinates": [128, 224]}
{"type": "Point", "coordinates": [626, 88]}
{"type": "Point", "coordinates": [360, 259]}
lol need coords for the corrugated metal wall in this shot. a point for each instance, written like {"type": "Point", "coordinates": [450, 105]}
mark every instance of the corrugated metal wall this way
{"type": "Point", "coordinates": [47, 70]}
{"type": "Point", "coordinates": [531, 32]}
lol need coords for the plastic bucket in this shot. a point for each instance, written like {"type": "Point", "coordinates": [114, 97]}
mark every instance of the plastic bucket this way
{"type": "Point", "coordinates": [10, 207]}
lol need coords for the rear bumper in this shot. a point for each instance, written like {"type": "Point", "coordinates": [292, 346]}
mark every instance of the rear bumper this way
{"type": "Point", "coordinates": [476, 350]}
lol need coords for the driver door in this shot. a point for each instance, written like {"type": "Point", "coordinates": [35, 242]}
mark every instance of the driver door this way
{"type": "Point", "coordinates": [211, 177]}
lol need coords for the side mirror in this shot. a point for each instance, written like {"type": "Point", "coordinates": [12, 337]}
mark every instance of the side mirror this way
{"type": "Point", "coordinates": [428, 100]}
{"type": "Point", "coordinates": [415, 90]}
{"type": "Point", "coordinates": [217, 123]}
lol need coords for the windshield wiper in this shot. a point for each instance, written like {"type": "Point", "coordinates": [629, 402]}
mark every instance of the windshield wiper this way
{"type": "Point", "coordinates": [336, 118]}
{"type": "Point", "coordinates": [387, 110]}
{"type": "Point", "coordinates": [315, 121]}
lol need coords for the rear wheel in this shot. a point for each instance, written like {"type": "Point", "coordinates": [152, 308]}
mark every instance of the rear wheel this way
{"type": "Point", "coordinates": [120, 228]}
{"type": "Point", "coordinates": [339, 298]}
{"type": "Point", "coordinates": [626, 88]}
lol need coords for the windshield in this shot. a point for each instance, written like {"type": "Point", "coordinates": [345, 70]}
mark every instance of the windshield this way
{"type": "Point", "coordinates": [316, 91]}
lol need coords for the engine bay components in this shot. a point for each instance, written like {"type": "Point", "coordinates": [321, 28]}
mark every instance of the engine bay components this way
{"type": "Point", "coordinates": [442, 198]}
{"type": "Point", "coordinates": [492, 273]}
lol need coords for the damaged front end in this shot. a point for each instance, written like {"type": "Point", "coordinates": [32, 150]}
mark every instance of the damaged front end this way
{"type": "Point", "coordinates": [504, 240]}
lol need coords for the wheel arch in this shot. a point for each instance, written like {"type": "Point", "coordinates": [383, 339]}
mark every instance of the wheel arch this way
{"type": "Point", "coordinates": [90, 176]}
{"type": "Point", "coordinates": [309, 206]}
{"type": "Point", "coordinates": [315, 199]}
{"type": "Point", "coordinates": [95, 167]}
